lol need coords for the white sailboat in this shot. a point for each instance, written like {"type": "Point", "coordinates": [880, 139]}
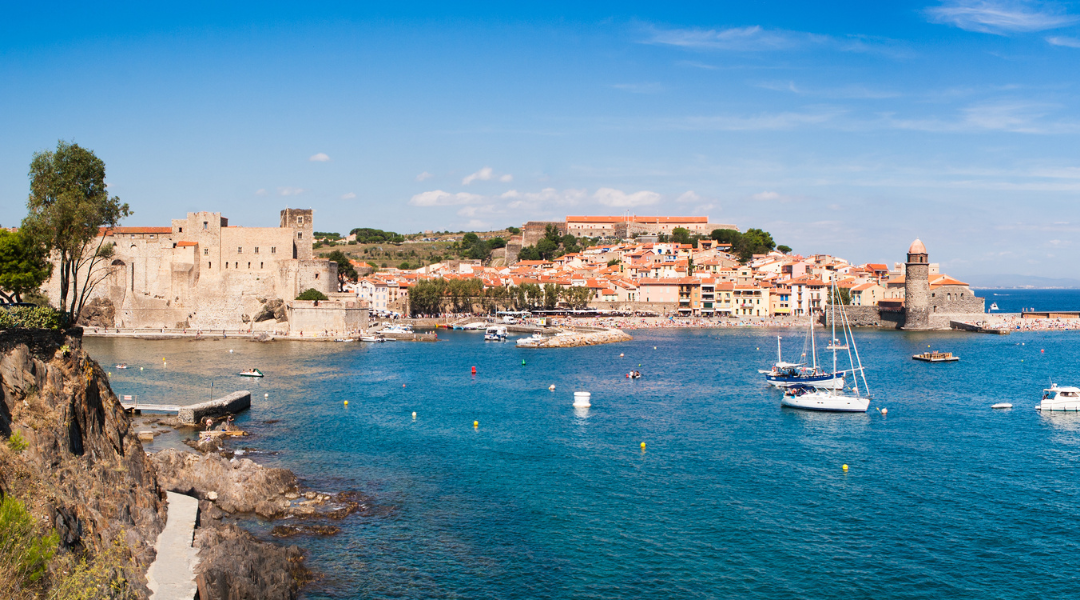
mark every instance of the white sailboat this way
{"type": "Point", "coordinates": [834, 400]}
{"type": "Point", "coordinates": [786, 375]}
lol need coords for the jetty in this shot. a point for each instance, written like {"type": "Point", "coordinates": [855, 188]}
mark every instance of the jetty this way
{"type": "Point", "coordinates": [569, 339]}
{"type": "Point", "coordinates": [172, 574]}
{"type": "Point", "coordinates": [194, 413]}
{"type": "Point", "coordinates": [978, 328]}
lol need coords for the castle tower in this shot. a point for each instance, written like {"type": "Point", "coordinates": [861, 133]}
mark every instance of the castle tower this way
{"type": "Point", "coordinates": [303, 235]}
{"type": "Point", "coordinates": [917, 288]}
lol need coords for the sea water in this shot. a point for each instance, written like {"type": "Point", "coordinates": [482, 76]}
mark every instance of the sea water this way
{"type": "Point", "coordinates": [732, 497]}
{"type": "Point", "coordinates": [1019, 300]}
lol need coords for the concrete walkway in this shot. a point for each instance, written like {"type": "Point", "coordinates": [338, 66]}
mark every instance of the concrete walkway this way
{"type": "Point", "coordinates": [172, 576]}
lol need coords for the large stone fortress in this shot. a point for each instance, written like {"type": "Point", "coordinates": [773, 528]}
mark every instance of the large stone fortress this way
{"type": "Point", "coordinates": [202, 273]}
{"type": "Point", "coordinates": [934, 304]}
{"type": "Point", "coordinates": [619, 226]}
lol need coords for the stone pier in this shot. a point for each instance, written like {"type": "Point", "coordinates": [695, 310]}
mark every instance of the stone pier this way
{"type": "Point", "coordinates": [231, 404]}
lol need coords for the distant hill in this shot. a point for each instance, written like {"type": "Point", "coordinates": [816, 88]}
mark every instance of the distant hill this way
{"type": "Point", "coordinates": [1020, 281]}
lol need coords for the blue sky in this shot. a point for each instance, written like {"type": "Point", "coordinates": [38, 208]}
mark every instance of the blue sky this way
{"type": "Point", "coordinates": [849, 128]}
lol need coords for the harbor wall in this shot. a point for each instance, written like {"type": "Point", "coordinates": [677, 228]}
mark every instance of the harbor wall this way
{"type": "Point", "coordinates": [231, 404]}
{"type": "Point", "coordinates": [872, 316]}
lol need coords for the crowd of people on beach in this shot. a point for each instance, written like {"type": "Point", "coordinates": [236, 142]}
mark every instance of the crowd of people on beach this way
{"type": "Point", "coordinates": [1014, 323]}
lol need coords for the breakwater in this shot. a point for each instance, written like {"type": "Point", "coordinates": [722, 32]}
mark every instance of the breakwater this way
{"type": "Point", "coordinates": [219, 407]}
{"type": "Point", "coordinates": [573, 339]}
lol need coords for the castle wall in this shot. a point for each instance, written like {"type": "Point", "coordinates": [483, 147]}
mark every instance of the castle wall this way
{"type": "Point", "coordinates": [871, 316]}
{"type": "Point", "coordinates": [316, 317]}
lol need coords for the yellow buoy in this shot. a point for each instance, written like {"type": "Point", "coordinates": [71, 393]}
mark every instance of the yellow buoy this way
{"type": "Point", "coordinates": [346, 403]}
{"type": "Point", "coordinates": [642, 445]}
{"type": "Point", "coordinates": [475, 424]}
{"type": "Point", "coordinates": [845, 468]}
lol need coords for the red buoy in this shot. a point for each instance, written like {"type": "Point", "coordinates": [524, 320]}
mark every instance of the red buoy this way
{"type": "Point", "coordinates": [474, 370]}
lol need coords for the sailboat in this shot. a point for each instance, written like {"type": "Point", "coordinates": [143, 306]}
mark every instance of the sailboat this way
{"type": "Point", "coordinates": [835, 400]}
{"type": "Point", "coordinates": [784, 375]}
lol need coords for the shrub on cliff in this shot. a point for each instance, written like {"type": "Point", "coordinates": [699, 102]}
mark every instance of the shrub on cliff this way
{"type": "Point", "coordinates": [24, 554]}
{"type": "Point", "coordinates": [30, 317]}
{"type": "Point", "coordinates": [312, 294]}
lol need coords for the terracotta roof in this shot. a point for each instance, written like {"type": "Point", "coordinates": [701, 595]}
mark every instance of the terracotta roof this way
{"type": "Point", "coordinates": [917, 247]}
{"type": "Point", "coordinates": [186, 244]}
{"type": "Point", "coordinates": [636, 219]}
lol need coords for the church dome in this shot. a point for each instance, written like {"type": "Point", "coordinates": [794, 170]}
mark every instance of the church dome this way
{"type": "Point", "coordinates": [917, 248]}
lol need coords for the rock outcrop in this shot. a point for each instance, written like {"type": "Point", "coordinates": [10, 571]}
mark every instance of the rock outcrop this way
{"type": "Point", "coordinates": [236, 486]}
{"type": "Point", "coordinates": [98, 312]}
{"type": "Point", "coordinates": [83, 470]}
{"type": "Point", "coordinates": [233, 565]}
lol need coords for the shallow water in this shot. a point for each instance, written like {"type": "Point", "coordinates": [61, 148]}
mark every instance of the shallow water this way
{"type": "Point", "coordinates": [733, 496]}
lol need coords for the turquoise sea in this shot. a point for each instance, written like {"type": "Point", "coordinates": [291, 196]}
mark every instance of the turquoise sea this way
{"type": "Point", "coordinates": [1018, 300]}
{"type": "Point", "coordinates": [733, 497]}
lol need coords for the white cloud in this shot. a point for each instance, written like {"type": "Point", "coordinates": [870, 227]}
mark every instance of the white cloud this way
{"type": "Point", "coordinates": [688, 196]}
{"type": "Point", "coordinates": [766, 196]}
{"type": "Point", "coordinates": [320, 157]}
{"type": "Point", "coordinates": [484, 174]}
{"type": "Point", "coordinates": [753, 38]}
{"type": "Point", "coordinates": [260, 192]}
{"type": "Point", "coordinates": [998, 16]}
{"type": "Point", "coordinates": [348, 196]}
{"type": "Point", "coordinates": [423, 176]}
{"type": "Point", "coordinates": [441, 198]}
{"type": "Point", "coordinates": [1068, 42]}
{"type": "Point", "coordinates": [619, 198]}
{"type": "Point", "coordinates": [290, 191]}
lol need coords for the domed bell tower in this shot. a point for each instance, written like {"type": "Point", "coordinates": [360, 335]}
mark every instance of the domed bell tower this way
{"type": "Point", "coordinates": [917, 288]}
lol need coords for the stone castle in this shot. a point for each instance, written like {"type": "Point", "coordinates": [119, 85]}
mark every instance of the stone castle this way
{"type": "Point", "coordinates": [202, 273]}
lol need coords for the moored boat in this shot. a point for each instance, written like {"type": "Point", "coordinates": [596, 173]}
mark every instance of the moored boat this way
{"type": "Point", "coordinates": [495, 333]}
{"type": "Point", "coordinates": [1060, 398]}
{"type": "Point", "coordinates": [251, 373]}
{"type": "Point", "coordinates": [372, 338]}
{"type": "Point", "coordinates": [935, 356]}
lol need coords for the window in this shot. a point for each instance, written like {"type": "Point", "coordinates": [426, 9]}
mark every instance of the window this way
{"type": "Point", "coordinates": [273, 249]}
{"type": "Point", "coordinates": [181, 230]}
{"type": "Point", "coordinates": [299, 235]}
{"type": "Point", "coordinates": [236, 265]}
{"type": "Point", "coordinates": [299, 220]}
{"type": "Point", "coordinates": [249, 265]}
{"type": "Point", "coordinates": [316, 276]}
{"type": "Point", "coordinates": [209, 265]}
{"type": "Point", "coordinates": [226, 264]}
{"type": "Point", "coordinates": [260, 265]}
{"type": "Point", "coordinates": [240, 250]}
{"type": "Point", "coordinates": [152, 236]}
{"type": "Point", "coordinates": [256, 249]}
{"type": "Point", "coordinates": [206, 225]}
{"type": "Point", "coordinates": [206, 252]}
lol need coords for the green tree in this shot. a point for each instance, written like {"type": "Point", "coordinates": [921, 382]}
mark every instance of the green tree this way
{"type": "Point", "coordinates": [681, 235]}
{"type": "Point", "coordinates": [404, 266]}
{"type": "Point", "coordinates": [68, 207]}
{"type": "Point", "coordinates": [784, 249]}
{"type": "Point", "coordinates": [496, 242]}
{"type": "Point", "coordinates": [426, 297]}
{"type": "Point", "coordinates": [726, 236]}
{"type": "Point", "coordinates": [551, 295]}
{"type": "Point", "coordinates": [479, 251]}
{"type": "Point", "coordinates": [841, 296]}
{"type": "Point", "coordinates": [312, 294]}
{"type": "Point", "coordinates": [470, 238]}
{"type": "Point", "coordinates": [513, 230]}
{"type": "Point", "coordinates": [551, 232]}
{"type": "Point", "coordinates": [547, 248]}
{"type": "Point", "coordinates": [529, 253]}
{"type": "Point", "coordinates": [23, 265]}
{"type": "Point", "coordinates": [613, 262]}
{"type": "Point", "coordinates": [755, 241]}
{"type": "Point", "coordinates": [345, 269]}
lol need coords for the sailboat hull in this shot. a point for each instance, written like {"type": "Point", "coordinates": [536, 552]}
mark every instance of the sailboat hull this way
{"type": "Point", "coordinates": [826, 402]}
{"type": "Point", "coordinates": [834, 381]}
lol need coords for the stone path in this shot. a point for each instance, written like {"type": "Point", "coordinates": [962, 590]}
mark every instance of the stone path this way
{"type": "Point", "coordinates": [172, 576]}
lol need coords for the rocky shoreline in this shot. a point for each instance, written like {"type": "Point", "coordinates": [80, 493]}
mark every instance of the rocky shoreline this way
{"type": "Point", "coordinates": [573, 339]}
{"type": "Point", "coordinates": [72, 457]}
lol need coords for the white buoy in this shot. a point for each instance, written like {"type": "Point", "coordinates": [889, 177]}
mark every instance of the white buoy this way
{"type": "Point", "coordinates": [414, 415]}
{"type": "Point", "coordinates": [266, 395]}
{"type": "Point", "coordinates": [582, 399]}
{"type": "Point", "coordinates": [230, 351]}
{"type": "Point", "coordinates": [551, 387]}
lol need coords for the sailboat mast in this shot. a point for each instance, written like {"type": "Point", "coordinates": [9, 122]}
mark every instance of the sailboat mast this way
{"type": "Point", "coordinates": [778, 349]}
{"type": "Point", "coordinates": [832, 301]}
{"type": "Point", "coordinates": [813, 345]}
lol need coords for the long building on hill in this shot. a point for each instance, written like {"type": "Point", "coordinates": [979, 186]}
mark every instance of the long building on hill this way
{"type": "Point", "coordinates": [619, 227]}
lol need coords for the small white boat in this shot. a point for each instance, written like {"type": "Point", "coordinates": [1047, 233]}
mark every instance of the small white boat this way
{"type": "Point", "coordinates": [474, 326]}
{"type": "Point", "coordinates": [936, 356]}
{"type": "Point", "coordinates": [993, 306]}
{"type": "Point", "coordinates": [532, 340]}
{"type": "Point", "coordinates": [1060, 398]}
{"type": "Point", "coordinates": [251, 373]}
{"type": "Point", "coordinates": [344, 340]}
{"type": "Point", "coordinates": [122, 366]}
{"type": "Point", "coordinates": [372, 338]}
{"type": "Point", "coordinates": [495, 333]}
{"type": "Point", "coordinates": [1002, 405]}
{"type": "Point", "coordinates": [398, 329]}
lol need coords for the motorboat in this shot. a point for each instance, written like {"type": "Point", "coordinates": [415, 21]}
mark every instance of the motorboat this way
{"type": "Point", "coordinates": [836, 345]}
{"type": "Point", "coordinates": [495, 333]}
{"type": "Point", "coordinates": [474, 326]}
{"type": "Point", "coordinates": [834, 399]}
{"type": "Point", "coordinates": [251, 373]}
{"type": "Point", "coordinates": [345, 340]}
{"type": "Point", "coordinates": [122, 366]}
{"type": "Point", "coordinates": [633, 375]}
{"type": "Point", "coordinates": [1060, 398]}
{"type": "Point", "coordinates": [935, 356]}
{"type": "Point", "coordinates": [372, 338]}
{"type": "Point", "coordinates": [397, 329]}
{"type": "Point", "coordinates": [994, 306]}
{"type": "Point", "coordinates": [532, 340]}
